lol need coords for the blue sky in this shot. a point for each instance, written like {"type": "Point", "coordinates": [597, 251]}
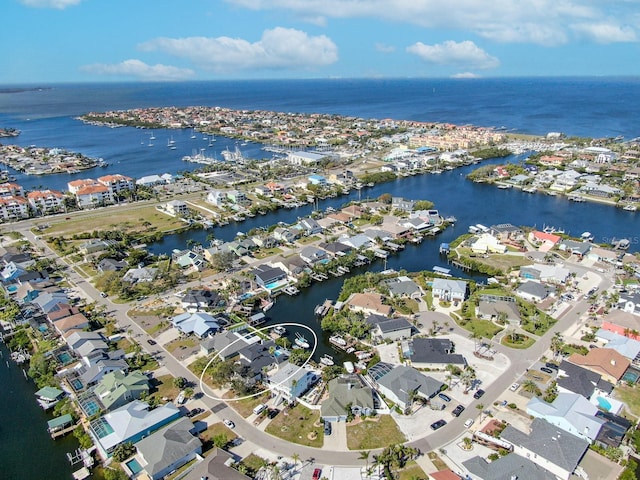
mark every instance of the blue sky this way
{"type": "Point", "coordinates": [48, 41]}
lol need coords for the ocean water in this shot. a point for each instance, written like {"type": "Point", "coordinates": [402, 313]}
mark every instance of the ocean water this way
{"type": "Point", "coordinates": [594, 107]}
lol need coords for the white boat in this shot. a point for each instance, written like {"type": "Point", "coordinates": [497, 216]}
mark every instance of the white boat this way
{"type": "Point", "coordinates": [266, 304]}
{"type": "Point", "coordinates": [338, 340]}
{"type": "Point", "coordinates": [171, 143]}
{"type": "Point", "coordinates": [363, 355]}
{"type": "Point", "coordinates": [327, 360]}
{"type": "Point", "coordinates": [586, 237]}
{"type": "Point", "coordinates": [193, 133]}
{"type": "Point", "coordinates": [349, 367]}
{"type": "Point", "coordinates": [630, 208]}
{"type": "Point", "coordinates": [279, 330]}
{"type": "Point", "coordinates": [291, 290]}
{"type": "Point", "coordinates": [301, 341]}
{"type": "Point", "coordinates": [152, 137]}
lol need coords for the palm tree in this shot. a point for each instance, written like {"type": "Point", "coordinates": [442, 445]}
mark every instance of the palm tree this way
{"type": "Point", "coordinates": [475, 336]}
{"type": "Point", "coordinates": [531, 387]}
{"type": "Point", "coordinates": [364, 455]}
{"type": "Point", "coordinates": [467, 378]}
{"type": "Point", "coordinates": [295, 457]}
{"type": "Point", "coordinates": [557, 344]}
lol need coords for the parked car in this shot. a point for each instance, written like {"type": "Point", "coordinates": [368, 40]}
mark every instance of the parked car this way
{"type": "Point", "coordinates": [514, 387]}
{"type": "Point", "coordinates": [273, 413]}
{"type": "Point", "coordinates": [317, 473]}
{"type": "Point", "coordinates": [327, 428]}
{"type": "Point", "coordinates": [546, 370]}
{"type": "Point", "coordinates": [468, 423]}
{"type": "Point", "coordinates": [229, 423]}
{"type": "Point", "coordinates": [438, 424]}
{"type": "Point", "coordinates": [103, 294]}
{"type": "Point", "coordinates": [479, 393]}
{"type": "Point", "coordinates": [444, 397]}
{"type": "Point", "coordinates": [194, 412]}
{"type": "Point", "coordinates": [457, 411]}
{"type": "Point", "coordinates": [553, 366]}
{"type": "Point", "coordinates": [151, 341]}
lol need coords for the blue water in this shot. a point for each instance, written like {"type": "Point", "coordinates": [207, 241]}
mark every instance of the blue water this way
{"type": "Point", "coordinates": [591, 107]}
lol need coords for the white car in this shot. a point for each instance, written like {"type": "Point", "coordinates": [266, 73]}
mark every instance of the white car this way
{"type": "Point", "coordinates": [468, 423]}
{"type": "Point", "coordinates": [229, 423]}
{"type": "Point", "coordinates": [514, 387]}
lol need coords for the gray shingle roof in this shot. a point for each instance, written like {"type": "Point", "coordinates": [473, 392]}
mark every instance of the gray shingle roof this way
{"type": "Point", "coordinates": [506, 468]}
{"type": "Point", "coordinates": [549, 442]}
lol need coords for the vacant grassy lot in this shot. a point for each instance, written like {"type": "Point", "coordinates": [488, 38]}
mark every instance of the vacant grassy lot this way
{"type": "Point", "coordinates": [630, 396]}
{"type": "Point", "coordinates": [298, 425]}
{"type": "Point", "coordinates": [484, 328]}
{"type": "Point", "coordinates": [411, 471]}
{"type": "Point", "coordinates": [162, 387]}
{"type": "Point", "coordinates": [245, 407]}
{"type": "Point", "coordinates": [376, 433]}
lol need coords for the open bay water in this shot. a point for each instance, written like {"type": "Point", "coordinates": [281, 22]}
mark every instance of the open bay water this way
{"type": "Point", "coordinates": [590, 107]}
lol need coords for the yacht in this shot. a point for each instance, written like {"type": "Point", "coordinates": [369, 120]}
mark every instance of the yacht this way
{"type": "Point", "coordinates": [279, 330]}
{"type": "Point", "coordinates": [301, 341]}
{"type": "Point", "coordinates": [630, 208]}
{"type": "Point", "coordinates": [291, 290]}
{"type": "Point", "coordinates": [327, 360]}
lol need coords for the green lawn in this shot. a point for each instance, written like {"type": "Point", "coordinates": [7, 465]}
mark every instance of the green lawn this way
{"type": "Point", "coordinates": [484, 328]}
{"type": "Point", "coordinates": [298, 425]}
{"type": "Point", "coordinates": [267, 252]}
{"type": "Point", "coordinates": [411, 471]}
{"type": "Point", "coordinates": [630, 396]}
{"type": "Point", "coordinates": [245, 407]}
{"type": "Point", "coordinates": [522, 342]}
{"type": "Point", "coordinates": [307, 240]}
{"type": "Point", "coordinates": [376, 433]}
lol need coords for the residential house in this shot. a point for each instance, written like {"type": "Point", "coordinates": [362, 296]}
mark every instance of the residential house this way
{"type": "Point", "coordinates": [547, 446]}
{"type": "Point", "coordinates": [569, 411]}
{"type": "Point", "coordinates": [433, 353]}
{"type": "Point", "coordinates": [10, 189]}
{"type": "Point", "coordinates": [189, 260]}
{"type": "Point", "coordinates": [627, 347]}
{"type": "Point", "coordinates": [401, 384]}
{"type": "Point", "coordinates": [257, 358]}
{"type": "Point", "coordinates": [270, 278]}
{"type": "Point", "coordinates": [309, 226]}
{"type": "Point", "coordinates": [287, 235]}
{"type": "Point", "coordinates": [111, 265]}
{"type": "Point", "coordinates": [629, 302]}
{"type": "Point", "coordinates": [216, 466]}
{"type": "Point", "coordinates": [610, 364]}
{"type": "Point", "coordinates": [534, 291]}
{"type": "Point", "coordinates": [312, 255]}
{"type": "Point", "coordinates": [94, 246]}
{"type": "Point", "coordinates": [368, 303]}
{"type": "Point", "coordinates": [402, 287]}
{"type": "Point", "coordinates": [226, 344]}
{"type": "Point", "coordinates": [449, 290]}
{"type": "Point", "coordinates": [168, 449]}
{"type": "Point", "coordinates": [47, 301]}
{"type": "Point", "coordinates": [399, 203]}
{"type": "Point", "coordinates": [238, 197]}
{"type": "Point", "coordinates": [117, 183]}
{"type": "Point", "coordinates": [335, 249]}
{"type": "Point", "coordinates": [357, 242]}
{"type": "Point", "coordinates": [385, 328]}
{"type": "Point", "coordinates": [347, 391]}
{"type": "Point", "coordinates": [494, 308]}
{"type": "Point", "coordinates": [508, 467]}
{"type": "Point", "coordinates": [177, 208]}
{"type": "Point", "coordinates": [140, 274]}
{"type": "Point", "coordinates": [506, 231]}
{"type": "Point", "coordinates": [115, 390]}
{"type": "Point", "coordinates": [291, 381]}
{"type": "Point", "coordinates": [545, 241]}
{"type": "Point", "coordinates": [613, 430]}
{"type": "Point", "coordinates": [293, 265]}
{"type": "Point", "coordinates": [555, 274]}
{"type": "Point", "coordinates": [580, 249]}
{"type": "Point", "coordinates": [101, 364]}
{"type": "Point", "coordinates": [198, 323]}
{"type": "Point", "coordinates": [576, 379]}
{"type": "Point", "coordinates": [216, 197]}
{"type": "Point", "coordinates": [129, 423]}
{"type": "Point", "coordinates": [487, 243]}
{"type": "Point", "coordinates": [92, 196]}
{"type": "Point", "coordinates": [77, 339]}
{"type": "Point", "coordinates": [67, 325]}
{"type": "Point", "coordinates": [194, 300]}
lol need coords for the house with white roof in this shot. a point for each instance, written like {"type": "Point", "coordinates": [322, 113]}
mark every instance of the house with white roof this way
{"type": "Point", "coordinates": [129, 423]}
{"type": "Point", "coordinates": [200, 324]}
{"type": "Point", "coordinates": [625, 346]}
{"type": "Point", "coordinates": [291, 381]}
{"type": "Point", "coordinates": [487, 243]}
{"type": "Point", "coordinates": [571, 412]}
{"type": "Point", "coordinates": [450, 290]}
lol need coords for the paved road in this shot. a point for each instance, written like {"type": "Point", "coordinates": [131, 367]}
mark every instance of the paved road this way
{"type": "Point", "coordinates": [521, 360]}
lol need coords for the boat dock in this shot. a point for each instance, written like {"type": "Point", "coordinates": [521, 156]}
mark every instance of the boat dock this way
{"type": "Point", "coordinates": [319, 277]}
{"type": "Point", "coordinates": [322, 310]}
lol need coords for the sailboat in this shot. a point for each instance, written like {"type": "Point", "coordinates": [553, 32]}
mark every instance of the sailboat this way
{"type": "Point", "coordinates": [152, 137]}
{"type": "Point", "coordinates": [171, 143]}
{"type": "Point", "coordinates": [193, 133]}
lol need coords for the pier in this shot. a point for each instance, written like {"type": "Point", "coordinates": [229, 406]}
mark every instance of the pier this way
{"type": "Point", "coordinates": [322, 310]}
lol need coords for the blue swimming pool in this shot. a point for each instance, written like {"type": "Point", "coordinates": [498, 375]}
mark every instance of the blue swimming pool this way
{"type": "Point", "coordinates": [134, 466]}
{"type": "Point", "coordinates": [12, 288]}
{"type": "Point", "coordinates": [64, 357]}
{"type": "Point", "coordinates": [630, 377]}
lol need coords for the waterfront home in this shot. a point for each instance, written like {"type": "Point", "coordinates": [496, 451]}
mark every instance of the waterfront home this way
{"type": "Point", "coordinates": [226, 344]}
{"type": "Point", "coordinates": [598, 190]}
{"type": "Point", "coordinates": [47, 301]}
{"type": "Point", "coordinates": [579, 249]}
{"type": "Point", "coordinates": [129, 423]}
{"type": "Point", "coordinates": [534, 291]}
{"type": "Point", "coordinates": [571, 412]}
{"type": "Point", "coordinates": [10, 189]}
{"type": "Point", "coordinates": [257, 358]}
{"type": "Point", "coordinates": [153, 180]}
{"type": "Point", "coordinates": [506, 231]}
{"type": "Point", "coordinates": [400, 203]}
{"type": "Point", "coordinates": [167, 450]}
{"type": "Point", "coordinates": [309, 226]}
{"type": "Point", "coordinates": [287, 235]}
{"type": "Point", "coordinates": [629, 302]}
{"type": "Point", "coordinates": [265, 241]}
{"type": "Point", "coordinates": [140, 275]}
{"type": "Point", "coordinates": [270, 278]}
{"type": "Point", "coordinates": [547, 446]}
{"type": "Point", "coordinates": [432, 353]}
{"type": "Point", "coordinates": [113, 391]}
{"type": "Point", "coordinates": [402, 384]}
{"type": "Point", "coordinates": [508, 467]}
{"type": "Point", "coordinates": [487, 243]}
{"type": "Point", "coordinates": [48, 396]}
{"type": "Point", "coordinates": [117, 183]}
{"type": "Point", "coordinates": [77, 339]}
{"type": "Point", "coordinates": [237, 197]}
{"type": "Point", "coordinates": [91, 196]}
{"type": "Point", "coordinates": [216, 197]}
{"type": "Point", "coordinates": [576, 379]}
{"type": "Point", "coordinates": [449, 290]}
{"type": "Point", "coordinates": [293, 265]}
{"type": "Point", "coordinates": [95, 246]}
{"type": "Point", "coordinates": [346, 392]}
{"type": "Point", "coordinates": [189, 260]}
{"type": "Point", "coordinates": [101, 363]}
{"type": "Point", "coordinates": [198, 323]}
{"type": "Point", "coordinates": [385, 328]}
{"type": "Point", "coordinates": [402, 287]}
{"type": "Point", "coordinates": [610, 364]}
{"type": "Point", "coordinates": [415, 224]}
{"type": "Point", "coordinates": [356, 242]}
{"type": "Point", "coordinates": [368, 303]}
{"type": "Point", "coordinates": [335, 249]}
{"type": "Point", "coordinates": [290, 381]}
{"type": "Point", "coordinates": [176, 208]}
{"type": "Point", "coordinates": [312, 255]}
{"type": "Point", "coordinates": [111, 265]}
{"type": "Point", "coordinates": [317, 180]}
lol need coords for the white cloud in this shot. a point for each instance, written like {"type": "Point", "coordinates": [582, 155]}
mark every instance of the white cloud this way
{"type": "Point", "coordinates": [279, 48]}
{"type": "Point", "coordinates": [138, 69]}
{"type": "Point", "coordinates": [59, 4]}
{"type": "Point", "coordinates": [543, 22]}
{"type": "Point", "coordinates": [465, 53]}
{"type": "Point", "coordinates": [605, 32]}
{"type": "Point", "coordinates": [465, 75]}
{"type": "Point", "coordinates": [381, 47]}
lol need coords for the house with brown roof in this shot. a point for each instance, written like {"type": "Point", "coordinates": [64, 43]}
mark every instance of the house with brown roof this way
{"type": "Point", "coordinates": [368, 303]}
{"type": "Point", "coordinates": [610, 364]}
{"type": "Point", "coordinates": [71, 323]}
